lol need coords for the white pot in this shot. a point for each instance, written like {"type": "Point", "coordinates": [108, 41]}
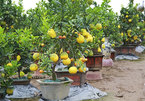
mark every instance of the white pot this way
{"type": "Point", "coordinates": [55, 90]}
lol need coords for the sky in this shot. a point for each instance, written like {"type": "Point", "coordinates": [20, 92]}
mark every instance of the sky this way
{"type": "Point", "coordinates": [116, 4]}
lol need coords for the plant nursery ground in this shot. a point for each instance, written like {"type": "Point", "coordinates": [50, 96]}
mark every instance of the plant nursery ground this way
{"type": "Point", "coordinates": [123, 82]}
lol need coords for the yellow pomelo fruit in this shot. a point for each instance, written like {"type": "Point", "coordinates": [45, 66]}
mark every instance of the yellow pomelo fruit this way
{"type": "Point", "coordinates": [80, 39]}
{"type": "Point", "coordinates": [98, 26]}
{"type": "Point", "coordinates": [64, 55]}
{"type": "Point", "coordinates": [130, 20]}
{"type": "Point", "coordinates": [126, 16]}
{"type": "Point", "coordinates": [113, 45]}
{"type": "Point", "coordinates": [122, 34]}
{"type": "Point", "coordinates": [103, 46]}
{"type": "Point", "coordinates": [73, 70]}
{"type": "Point", "coordinates": [90, 38]}
{"type": "Point", "coordinates": [52, 33]}
{"type": "Point", "coordinates": [36, 56]}
{"type": "Point", "coordinates": [99, 49]}
{"type": "Point", "coordinates": [91, 26]}
{"type": "Point", "coordinates": [86, 52]}
{"type": "Point", "coordinates": [22, 74]}
{"type": "Point", "coordinates": [135, 37]}
{"type": "Point", "coordinates": [82, 70]}
{"type": "Point", "coordinates": [85, 33]}
{"type": "Point", "coordinates": [83, 30]}
{"type": "Point", "coordinates": [9, 64]}
{"type": "Point", "coordinates": [129, 31]}
{"type": "Point", "coordinates": [54, 57]}
{"type": "Point", "coordinates": [103, 40]}
{"type": "Point", "coordinates": [2, 74]}
{"type": "Point", "coordinates": [66, 61]}
{"type": "Point", "coordinates": [91, 53]}
{"type": "Point", "coordinates": [18, 58]}
{"type": "Point", "coordinates": [119, 26]}
{"type": "Point", "coordinates": [33, 67]}
{"type": "Point", "coordinates": [9, 91]}
{"type": "Point", "coordinates": [42, 44]}
{"type": "Point", "coordinates": [84, 59]}
{"type": "Point", "coordinates": [80, 59]}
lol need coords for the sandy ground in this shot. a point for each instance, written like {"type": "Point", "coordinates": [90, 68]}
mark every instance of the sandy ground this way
{"type": "Point", "coordinates": [123, 82]}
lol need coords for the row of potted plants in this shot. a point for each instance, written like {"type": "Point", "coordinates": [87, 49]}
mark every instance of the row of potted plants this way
{"type": "Point", "coordinates": [64, 32]}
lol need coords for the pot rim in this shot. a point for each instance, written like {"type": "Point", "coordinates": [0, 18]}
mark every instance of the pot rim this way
{"type": "Point", "coordinates": [95, 56]}
{"type": "Point", "coordinates": [40, 81]}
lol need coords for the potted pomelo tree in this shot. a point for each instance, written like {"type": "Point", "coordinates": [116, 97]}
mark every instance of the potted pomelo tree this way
{"type": "Point", "coordinates": [104, 25]}
{"type": "Point", "coordinates": [63, 44]}
{"type": "Point", "coordinates": [16, 44]}
{"type": "Point", "coordinates": [23, 46]}
{"type": "Point", "coordinates": [94, 52]}
{"type": "Point", "coordinates": [78, 22]}
{"type": "Point", "coordinates": [58, 53]}
{"type": "Point", "coordinates": [129, 29]}
{"type": "Point", "coordinates": [6, 81]}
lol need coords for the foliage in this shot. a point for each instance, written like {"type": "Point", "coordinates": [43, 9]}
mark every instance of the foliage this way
{"type": "Point", "coordinates": [58, 26]}
{"type": "Point", "coordinates": [7, 71]}
{"type": "Point", "coordinates": [67, 22]}
{"type": "Point", "coordinates": [18, 42]}
{"type": "Point", "coordinates": [104, 15]}
{"type": "Point", "coordinates": [129, 22]}
{"type": "Point", "coordinates": [11, 15]}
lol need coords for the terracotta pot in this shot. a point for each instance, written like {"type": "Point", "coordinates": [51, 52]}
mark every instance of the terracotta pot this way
{"type": "Point", "coordinates": [94, 62]}
{"type": "Point", "coordinates": [78, 78]}
{"type": "Point", "coordinates": [113, 54]}
{"type": "Point", "coordinates": [125, 50]}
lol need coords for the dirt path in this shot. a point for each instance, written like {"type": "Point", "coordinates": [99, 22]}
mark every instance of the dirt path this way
{"type": "Point", "coordinates": [124, 81]}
